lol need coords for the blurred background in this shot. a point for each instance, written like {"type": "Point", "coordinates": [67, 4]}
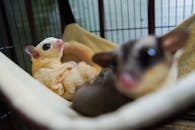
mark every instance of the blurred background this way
{"type": "Point", "coordinates": [24, 22]}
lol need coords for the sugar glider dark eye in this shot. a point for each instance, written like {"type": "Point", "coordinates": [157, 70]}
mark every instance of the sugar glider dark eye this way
{"type": "Point", "coordinates": [148, 57]}
{"type": "Point", "coordinates": [148, 52]}
{"type": "Point", "coordinates": [46, 46]}
{"type": "Point", "coordinates": [151, 52]}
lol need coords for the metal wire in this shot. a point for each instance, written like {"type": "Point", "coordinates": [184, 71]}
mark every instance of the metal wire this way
{"type": "Point", "coordinates": [94, 17]}
{"type": "Point", "coordinates": [134, 15]}
{"type": "Point", "coordinates": [122, 22]}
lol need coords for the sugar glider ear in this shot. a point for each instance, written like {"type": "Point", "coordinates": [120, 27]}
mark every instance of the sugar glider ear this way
{"type": "Point", "coordinates": [31, 50]}
{"type": "Point", "coordinates": [104, 59]}
{"type": "Point", "coordinates": [174, 41]}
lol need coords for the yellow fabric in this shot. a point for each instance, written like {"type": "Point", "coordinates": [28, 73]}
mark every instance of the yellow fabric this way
{"type": "Point", "coordinates": [78, 52]}
{"type": "Point", "coordinates": [187, 59]}
{"type": "Point", "coordinates": [74, 32]}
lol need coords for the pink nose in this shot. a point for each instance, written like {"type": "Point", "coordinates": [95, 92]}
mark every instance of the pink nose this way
{"type": "Point", "coordinates": [126, 81]}
{"type": "Point", "coordinates": [60, 41]}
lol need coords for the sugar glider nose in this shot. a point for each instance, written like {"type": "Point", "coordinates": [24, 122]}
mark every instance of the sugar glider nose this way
{"type": "Point", "coordinates": [126, 82]}
{"type": "Point", "coordinates": [60, 42]}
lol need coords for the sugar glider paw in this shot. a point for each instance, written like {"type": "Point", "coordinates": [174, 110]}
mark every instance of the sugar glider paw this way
{"type": "Point", "coordinates": [73, 63]}
{"type": "Point", "coordinates": [58, 88]}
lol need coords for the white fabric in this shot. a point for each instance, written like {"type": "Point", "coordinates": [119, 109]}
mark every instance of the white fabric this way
{"type": "Point", "coordinates": [45, 107]}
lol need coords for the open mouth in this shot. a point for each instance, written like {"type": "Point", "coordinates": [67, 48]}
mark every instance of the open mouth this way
{"type": "Point", "coordinates": [127, 82]}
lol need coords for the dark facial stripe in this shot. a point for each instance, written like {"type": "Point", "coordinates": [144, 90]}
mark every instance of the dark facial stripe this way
{"type": "Point", "coordinates": [127, 49]}
{"type": "Point", "coordinates": [149, 56]}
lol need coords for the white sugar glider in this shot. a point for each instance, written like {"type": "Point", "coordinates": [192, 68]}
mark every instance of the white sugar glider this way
{"type": "Point", "coordinates": [60, 77]}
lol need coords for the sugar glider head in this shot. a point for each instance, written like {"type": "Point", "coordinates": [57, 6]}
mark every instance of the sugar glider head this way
{"type": "Point", "coordinates": [48, 48]}
{"type": "Point", "coordinates": [142, 65]}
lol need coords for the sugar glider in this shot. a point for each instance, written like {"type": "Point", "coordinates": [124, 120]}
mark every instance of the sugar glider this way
{"type": "Point", "coordinates": [138, 68]}
{"type": "Point", "coordinates": [60, 77]}
{"type": "Point", "coordinates": [144, 65]}
{"type": "Point", "coordinates": [99, 97]}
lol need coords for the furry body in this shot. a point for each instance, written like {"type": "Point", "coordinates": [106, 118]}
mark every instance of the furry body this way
{"type": "Point", "coordinates": [60, 77]}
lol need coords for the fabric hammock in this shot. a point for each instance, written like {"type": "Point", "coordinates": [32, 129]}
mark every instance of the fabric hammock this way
{"type": "Point", "coordinates": [97, 44]}
{"type": "Point", "coordinates": [48, 110]}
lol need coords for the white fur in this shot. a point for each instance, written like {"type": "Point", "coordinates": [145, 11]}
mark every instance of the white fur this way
{"type": "Point", "coordinates": [49, 40]}
{"type": "Point", "coordinates": [147, 41]}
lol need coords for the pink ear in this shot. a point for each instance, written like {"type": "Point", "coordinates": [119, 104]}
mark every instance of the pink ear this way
{"type": "Point", "coordinates": [174, 41]}
{"type": "Point", "coordinates": [104, 59]}
{"type": "Point", "coordinates": [31, 50]}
